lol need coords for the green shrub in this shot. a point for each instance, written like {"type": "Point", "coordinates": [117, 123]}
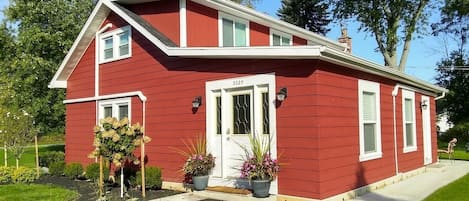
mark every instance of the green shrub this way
{"type": "Point", "coordinates": [57, 168]}
{"type": "Point", "coordinates": [24, 175]}
{"type": "Point", "coordinates": [459, 131]}
{"type": "Point", "coordinates": [46, 158]}
{"type": "Point", "coordinates": [5, 175]}
{"type": "Point", "coordinates": [73, 170]}
{"type": "Point", "coordinates": [92, 172]}
{"type": "Point", "coordinates": [152, 178]}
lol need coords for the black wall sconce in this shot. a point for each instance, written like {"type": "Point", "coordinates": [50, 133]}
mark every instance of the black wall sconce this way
{"type": "Point", "coordinates": [424, 104]}
{"type": "Point", "coordinates": [197, 102]}
{"type": "Point", "coordinates": [282, 94]}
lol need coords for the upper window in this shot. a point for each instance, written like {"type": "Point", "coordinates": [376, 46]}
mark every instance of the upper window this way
{"type": "Point", "coordinates": [408, 118]}
{"type": "Point", "coordinates": [234, 32]}
{"type": "Point", "coordinates": [369, 120]}
{"type": "Point", "coordinates": [118, 108]}
{"type": "Point", "coordinates": [115, 44]}
{"type": "Point", "coordinates": [280, 39]}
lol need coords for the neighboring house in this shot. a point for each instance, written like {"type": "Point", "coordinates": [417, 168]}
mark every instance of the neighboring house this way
{"type": "Point", "coordinates": [345, 122]}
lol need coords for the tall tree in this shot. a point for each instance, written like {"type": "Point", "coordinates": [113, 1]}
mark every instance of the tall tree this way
{"type": "Point", "coordinates": [309, 14]}
{"type": "Point", "coordinates": [44, 32]}
{"type": "Point", "coordinates": [248, 3]}
{"type": "Point", "coordinates": [453, 76]}
{"type": "Point", "coordinates": [454, 22]}
{"type": "Point", "coordinates": [385, 19]}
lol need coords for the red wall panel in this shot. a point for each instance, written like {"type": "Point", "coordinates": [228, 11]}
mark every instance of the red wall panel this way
{"type": "Point", "coordinates": [202, 26]}
{"type": "Point", "coordinates": [299, 41]}
{"type": "Point", "coordinates": [80, 120]}
{"type": "Point", "coordinates": [81, 81]}
{"type": "Point", "coordinates": [259, 34]}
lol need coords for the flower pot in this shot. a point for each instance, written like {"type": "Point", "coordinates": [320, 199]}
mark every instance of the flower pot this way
{"type": "Point", "coordinates": [200, 182]}
{"type": "Point", "coordinates": [260, 188]}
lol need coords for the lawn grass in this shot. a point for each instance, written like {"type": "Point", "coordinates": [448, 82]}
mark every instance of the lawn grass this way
{"type": "Point", "coordinates": [36, 192]}
{"type": "Point", "coordinates": [29, 156]}
{"type": "Point", "coordinates": [455, 191]}
{"type": "Point", "coordinates": [459, 151]}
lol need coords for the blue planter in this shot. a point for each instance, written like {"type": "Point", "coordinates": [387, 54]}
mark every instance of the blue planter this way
{"type": "Point", "coordinates": [260, 188]}
{"type": "Point", "coordinates": [200, 182]}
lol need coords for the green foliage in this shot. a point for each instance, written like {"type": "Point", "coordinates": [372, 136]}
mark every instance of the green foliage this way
{"type": "Point", "coordinates": [5, 175]}
{"type": "Point", "coordinates": [152, 178]}
{"type": "Point", "coordinates": [73, 170]}
{"type": "Point", "coordinates": [46, 158]}
{"type": "Point", "coordinates": [391, 22]}
{"type": "Point", "coordinates": [459, 131]}
{"type": "Point", "coordinates": [258, 162]}
{"type": "Point", "coordinates": [57, 168]}
{"type": "Point", "coordinates": [454, 21]}
{"type": "Point", "coordinates": [308, 14]}
{"type": "Point", "coordinates": [456, 102]}
{"type": "Point", "coordinates": [36, 192]}
{"type": "Point", "coordinates": [23, 175]}
{"type": "Point", "coordinates": [43, 33]}
{"type": "Point", "coordinates": [455, 191]}
{"type": "Point", "coordinates": [92, 172]}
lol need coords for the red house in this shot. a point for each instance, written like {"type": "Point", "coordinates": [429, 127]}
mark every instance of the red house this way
{"type": "Point", "coordinates": [346, 124]}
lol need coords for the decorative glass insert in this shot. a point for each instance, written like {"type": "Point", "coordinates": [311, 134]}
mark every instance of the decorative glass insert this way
{"type": "Point", "coordinates": [218, 111]}
{"type": "Point", "coordinates": [124, 43]}
{"type": "Point", "coordinates": [265, 113]}
{"type": "Point", "coordinates": [123, 111]}
{"type": "Point", "coordinates": [108, 48]}
{"type": "Point", "coordinates": [242, 114]}
{"type": "Point", "coordinates": [108, 111]}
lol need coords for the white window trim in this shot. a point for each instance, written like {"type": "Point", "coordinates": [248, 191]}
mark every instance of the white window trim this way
{"type": "Point", "coordinates": [222, 15]}
{"type": "Point", "coordinates": [373, 87]}
{"type": "Point", "coordinates": [409, 95]}
{"type": "Point", "coordinates": [115, 103]}
{"type": "Point", "coordinates": [281, 34]}
{"type": "Point", "coordinates": [115, 44]}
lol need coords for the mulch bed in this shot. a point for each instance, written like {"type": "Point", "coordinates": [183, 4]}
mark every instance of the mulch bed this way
{"type": "Point", "coordinates": [89, 190]}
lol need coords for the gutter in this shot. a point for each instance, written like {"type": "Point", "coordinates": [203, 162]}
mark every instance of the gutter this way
{"type": "Point", "coordinates": [442, 96]}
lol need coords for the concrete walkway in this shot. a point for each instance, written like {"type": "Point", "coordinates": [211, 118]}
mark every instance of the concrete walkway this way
{"type": "Point", "coordinates": [420, 186]}
{"type": "Point", "coordinates": [412, 189]}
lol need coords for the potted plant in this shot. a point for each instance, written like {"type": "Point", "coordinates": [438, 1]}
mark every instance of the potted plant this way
{"type": "Point", "coordinates": [259, 167]}
{"type": "Point", "coordinates": [199, 163]}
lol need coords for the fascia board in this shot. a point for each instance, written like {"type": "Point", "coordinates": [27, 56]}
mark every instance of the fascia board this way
{"type": "Point", "coordinates": [295, 52]}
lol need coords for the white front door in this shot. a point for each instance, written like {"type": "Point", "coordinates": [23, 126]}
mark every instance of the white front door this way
{"type": "Point", "coordinates": [427, 134]}
{"type": "Point", "coordinates": [236, 109]}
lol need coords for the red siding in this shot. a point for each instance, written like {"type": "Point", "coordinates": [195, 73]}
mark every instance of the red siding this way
{"type": "Point", "coordinates": [81, 81]}
{"type": "Point", "coordinates": [299, 41]}
{"type": "Point", "coordinates": [163, 14]}
{"type": "Point", "coordinates": [202, 26]}
{"type": "Point", "coordinates": [259, 35]}
{"type": "Point", "coordinates": [80, 120]}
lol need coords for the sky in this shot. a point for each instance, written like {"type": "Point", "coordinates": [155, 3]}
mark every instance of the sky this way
{"type": "Point", "coordinates": [424, 52]}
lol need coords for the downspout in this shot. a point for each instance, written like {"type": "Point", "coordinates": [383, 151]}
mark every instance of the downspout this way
{"type": "Point", "coordinates": [440, 97]}
{"type": "Point", "coordinates": [142, 148]}
{"type": "Point", "coordinates": [96, 66]}
{"type": "Point", "coordinates": [395, 91]}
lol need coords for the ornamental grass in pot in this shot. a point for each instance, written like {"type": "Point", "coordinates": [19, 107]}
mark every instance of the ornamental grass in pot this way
{"type": "Point", "coordinates": [259, 167]}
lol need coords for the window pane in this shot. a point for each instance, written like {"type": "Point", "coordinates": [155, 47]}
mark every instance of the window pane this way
{"type": "Point", "coordinates": [123, 50]}
{"type": "Point", "coordinates": [228, 40]}
{"type": "Point", "coordinates": [265, 113]}
{"type": "Point", "coordinates": [218, 99]}
{"type": "Point", "coordinates": [108, 42]}
{"type": "Point", "coordinates": [409, 134]}
{"type": "Point", "coordinates": [108, 111]}
{"type": "Point", "coordinates": [275, 40]}
{"type": "Point", "coordinates": [108, 50]}
{"type": "Point", "coordinates": [370, 137]}
{"type": "Point", "coordinates": [123, 111]}
{"type": "Point", "coordinates": [408, 110]}
{"type": "Point", "coordinates": [369, 106]}
{"type": "Point", "coordinates": [285, 41]}
{"type": "Point", "coordinates": [242, 114]}
{"type": "Point", "coordinates": [124, 43]}
{"type": "Point", "coordinates": [240, 34]}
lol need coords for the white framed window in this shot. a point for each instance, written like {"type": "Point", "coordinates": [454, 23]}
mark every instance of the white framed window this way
{"type": "Point", "coordinates": [115, 44]}
{"type": "Point", "coordinates": [369, 120]}
{"type": "Point", "coordinates": [408, 121]}
{"type": "Point", "coordinates": [233, 31]}
{"type": "Point", "coordinates": [278, 38]}
{"type": "Point", "coordinates": [118, 108]}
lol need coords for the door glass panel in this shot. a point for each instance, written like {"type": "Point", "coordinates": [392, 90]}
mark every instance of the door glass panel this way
{"type": "Point", "coordinates": [228, 38]}
{"type": "Point", "coordinates": [265, 113]}
{"type": "Point", "coordinates": [123, 111]}
{"type": "Point", "coordinates": [108, 111]}
{"type": "Point", "coordinates": [242, 114]}
{"type": "Point", "coordinates": [218, 111]}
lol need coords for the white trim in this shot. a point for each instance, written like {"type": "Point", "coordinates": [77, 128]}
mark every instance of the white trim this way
{"type": "Point", "coordinates": [373, 87]}
{"type": "Point", "coordinates": [115, 103]}
{"type": "Point", "coordinates": [111, 96]}
{"type": "Point", "coordinates": [406, 94]}
{"type": "Point", "coordinates": [114, 34]}
{"type": "Point", "coordinates": [282, 35]}
{"type": "Point", "coordinates": [235, 20]}
{"type": "Point", "coordinates": [426, 131]}
{"type": "Point", "coordinates": [182, 23]}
